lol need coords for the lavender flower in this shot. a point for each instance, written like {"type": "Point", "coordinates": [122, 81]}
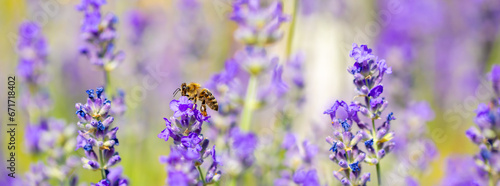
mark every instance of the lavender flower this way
{"type": "Point", "coordinates": [368, 72]}
{"type": "Point", "coordinates": [344, 149]}
{"type": "Point", "coordinates": [294, 157]}
{"type": "Point", "coordinates": [414, 151]}
{"type": "Point", "coordinates": [190, 149]}
{"type": "Point", "coordinates": [258, 26]}
{"type": "Point", "coordinates": [97, 131]}
{"type": "Point", "coordinates": [138, 21]}
{"type": "Point", "coordinates": [99, 35]}
{"type": "Point", "coordinates": [32, 48]}
{"type": "Point", "coordinates": [463, 171]}
{"type": "Point", "coordinates": [45, 136]}
{"type": "Point", "coordinates": [300, 161]}
{"type": "Point", "coordinates": [306, 178]}
{"type": "Point", "coordinates": [485, 135]}
{"type": "Point", "coordinates": [244, 145]}
{"type": "Point", "coordinates": [51, 138]}
{"type": "Point", "coordinates": [119, 106]}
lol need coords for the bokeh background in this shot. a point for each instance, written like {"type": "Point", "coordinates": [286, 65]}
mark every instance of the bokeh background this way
{"type": "Point", "coordinates": [440, 52]}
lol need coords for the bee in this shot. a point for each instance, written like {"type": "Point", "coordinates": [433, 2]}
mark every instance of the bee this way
{"type": "Point", "coordinates": [195, 92]}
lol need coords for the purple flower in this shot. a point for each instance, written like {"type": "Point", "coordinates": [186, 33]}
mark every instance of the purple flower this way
{"type": "Point", "coordinates": [361, 54]}
{"type": "Point", "coordinates": [255, 60]}
{"type": "Point", "coordinates": [182, 107]}
{"type": "Point", "coordinates": [191, 120]}
{"type": "Point", "coordinates": [32, 49]}
{"type": "Point", "coordinates": [376, 91]}
{"type": "Point", "coordinates": [138, 22]}
{"type": "Point", "coordinates": [487, 121]}
{"type": "Point", "coordinates": [296, 63]}
{"type": "Point", "coordinates": [339, 110]}
{"type": "Point", "coordinates": [192, 141]}
{"type": "Point", "coordinates": [495, 78]}
{"type": "Point", "coordinates": [97, 131]}
{"type": "Point", "coordinates": [258, 26]}
{"type": "Point", "coordinates": [101, 183]}
{"type": "Point", "coordinates": [37, 174]}
{"type": "Point", "coordinates": [289, 141]}
{"type": "Point", "coordinates": [310, 151]}
{"type": "Point", "coordinates": [99, 33]}
{"type": "Point", "coordinates": [368, 72]}
{"type": "Point", "coordinates": [115, 176]}
{"type": "Point", "coordinates": [244, 144]}
{"type": "Point", "coordinates": [422, 110]}
{"type": "Point", "coordinates": [32, 136]}
{"type": "Point", "coordinates": [277, 82]}
{"type": "Point", "coordinates": [306, 178]}
{"type": "Point", "coordinates": [462, 171]}
{"type": "Point", "coordinates": [119, 106]}
{"type": "Point", "coordinates": [178, 178]}
{"type": "Point", "coordinates": [190, 148]}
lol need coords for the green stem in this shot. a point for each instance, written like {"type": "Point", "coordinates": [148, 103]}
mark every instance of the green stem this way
{"type": "Point", "coordinates": [375, 140]}
{"type": "Point", "coordinates": [291, 30]}
{"type": "Point", "coordinates": [201, 175]}
{"type": "Point", "coordinates": [249, 104]}
{"type": "Point", "coordinates": [490, 180]}
{"type": "Point", "coordinates": [379, 174]}
{"type": "Point", "coordinates": [232, 181]}
{"type": "Point", "coordinates": [107, 83]}
{"type": "Point", "coordinates": [101, 158]}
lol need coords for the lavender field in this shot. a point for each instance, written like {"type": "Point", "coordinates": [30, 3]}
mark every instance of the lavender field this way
{"type": "Point", "coordinates": [250, 92]}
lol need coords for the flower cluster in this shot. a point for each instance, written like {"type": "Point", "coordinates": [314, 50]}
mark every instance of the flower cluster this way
{"type": "Point", "coordinates": [486, 134]}
{"type": "Point", "coordinates": [415, 151]}
{"type": "Point", "coordinates": [463, 171]}
{"type": "Point", "coordinates": [368, 74]}
{"type": "Point", "coordinates": [190, 148]}
{"type": "Point", "coordinates": [258, 26]}
{"type": "Point", "coordinates": [99, 35]}
{"type": "Point", "coordinates": [138, 21]}
{"type": "Point", "coordinates": [32, 49]}
{"type": "Point", "coordinates": [45, 136]}
{"type": "Point", "coordinates": [344, 144]}
{"type": "Point", "coordinates": [254, 58]}
{"type": "Point", "coordinates": [300, 160]}
{"type": "Point", "coordinates": [243, 144]}
{"type": "Point", "coordinates": [97, 133]}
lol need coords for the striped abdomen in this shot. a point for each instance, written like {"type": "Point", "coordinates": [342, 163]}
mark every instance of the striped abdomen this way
{"type": "Point", "coordinates": [209, 99]}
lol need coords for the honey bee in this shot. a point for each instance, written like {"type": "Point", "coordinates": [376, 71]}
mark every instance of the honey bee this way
{"type": "Point", "coordinates": [194, 91]}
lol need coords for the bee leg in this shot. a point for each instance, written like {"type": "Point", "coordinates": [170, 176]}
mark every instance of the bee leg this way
{"type": "Point", "coordinates": [203, 108]}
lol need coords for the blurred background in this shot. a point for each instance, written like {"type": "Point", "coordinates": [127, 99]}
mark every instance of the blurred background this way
{"type": "Point", "coordinates": [440, 53]}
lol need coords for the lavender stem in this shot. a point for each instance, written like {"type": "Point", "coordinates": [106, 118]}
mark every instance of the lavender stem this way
{"type": "Point", "coordinates": [249, 103]}
{"type": "Point", "coordinates": [201, 175]}
{"type": "Point", "coordinates": [107, 82]}
{"type": "Point", "coordinates": [374, 133]}
{"type": "Point", "coordinates": [102, 164]}
{"type": "Point", "coordinates": [291, 30]}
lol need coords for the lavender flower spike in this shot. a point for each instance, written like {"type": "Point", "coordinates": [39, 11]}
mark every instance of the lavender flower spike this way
{"type": "Point", "coordinates": [258, 26]}
{"type": "Point", "coordinates": [32, 49]}
{"type": "Point", "coordinates": [98, 134]}
{"type": "Point", "coordinates": [485, 135]}
{"type": "Point", "coordinates": [368, 72]}
{"type": "Point", "coordinates": [99, 35]}
{"type": "Point", "coordinates": [344, 145]}
{"type": "Point", "coordinates": [190, 149]}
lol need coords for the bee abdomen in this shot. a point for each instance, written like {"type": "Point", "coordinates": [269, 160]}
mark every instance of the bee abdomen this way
{"type": "Point", "coordinates": [214, 106]}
